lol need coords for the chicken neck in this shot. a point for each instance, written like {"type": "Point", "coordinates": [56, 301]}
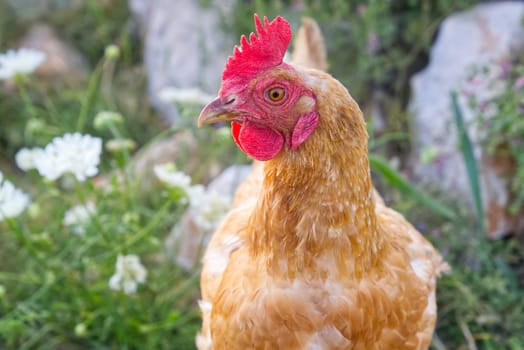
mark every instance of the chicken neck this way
{"type": "Point", "coordinates": [316, 209]}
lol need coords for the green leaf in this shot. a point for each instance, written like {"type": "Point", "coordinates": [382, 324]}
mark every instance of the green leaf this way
{"type": "Point", "coordinates": [470, 161]}
{"type": "Point", "coordinates": [395, 179]}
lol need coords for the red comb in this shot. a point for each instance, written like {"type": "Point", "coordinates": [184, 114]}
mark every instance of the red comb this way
{"type": "Point", "coordinates": [259, 53]}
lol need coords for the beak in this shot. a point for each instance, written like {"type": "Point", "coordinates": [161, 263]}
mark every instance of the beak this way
{"type": "Point", "coordinates": [218, 110]}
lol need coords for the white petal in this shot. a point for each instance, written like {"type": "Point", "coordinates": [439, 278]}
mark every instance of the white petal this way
{"type": "Point", "coordinates": [12, 200]}
{"type": "Point", "coordinates": [130, 287]}
{"type": "Point", "coordinates": [114, 282]}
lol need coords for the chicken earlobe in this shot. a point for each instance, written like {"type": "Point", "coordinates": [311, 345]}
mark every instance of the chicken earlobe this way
{"type": "Point", "coordinates": [304, 127]}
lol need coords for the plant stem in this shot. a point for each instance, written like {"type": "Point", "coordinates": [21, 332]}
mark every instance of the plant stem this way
{"type": "Point", "coordinates": [28, 104]}
{"type": "Point", "coordinates": [92, 89]}
{"type": "Point", "coordinates": [17, 229]}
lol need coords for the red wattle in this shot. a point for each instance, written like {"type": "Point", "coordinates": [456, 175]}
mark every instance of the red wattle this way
{"type": "Point", "coordinates": [257, 141]}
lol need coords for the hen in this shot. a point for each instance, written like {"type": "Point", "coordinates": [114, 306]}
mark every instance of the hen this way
{"type": "Point", "coordinates": [311, 259]}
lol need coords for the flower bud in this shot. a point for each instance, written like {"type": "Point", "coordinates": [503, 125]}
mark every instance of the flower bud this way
{"type": "Point", "coordinates": [80, 329]}
{"type": "Point", "coordinates": [34, 125]}
{"type": "Point", "coordinates": [105, 119]}
{"type": "Point", "coordinates": [112, 52]}
{"type": "Point", "coordinates": [119, 145]}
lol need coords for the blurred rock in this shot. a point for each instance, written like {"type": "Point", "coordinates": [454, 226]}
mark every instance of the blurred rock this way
{"type": "Point", "coordinates": [63, 61]}
{"type": "Point", "coordinates": [228, 181]}
{"type": "Point", "coordinates": [480, 36]}
{"type": "Point", "coordinates": [184, 46]}
{"type": "Point", "coordinates": [160, 152]}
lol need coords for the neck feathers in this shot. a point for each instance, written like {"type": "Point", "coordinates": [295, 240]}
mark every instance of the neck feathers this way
{"type": "Point", "coordinates": [317, 201]}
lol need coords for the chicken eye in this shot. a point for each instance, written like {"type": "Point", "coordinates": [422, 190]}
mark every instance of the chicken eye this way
{"type": "Point", "coordinates": [276, 94]}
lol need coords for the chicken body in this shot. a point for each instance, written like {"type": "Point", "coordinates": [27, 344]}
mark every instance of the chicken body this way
{"type": "Point", "coordinates": [308, 258]}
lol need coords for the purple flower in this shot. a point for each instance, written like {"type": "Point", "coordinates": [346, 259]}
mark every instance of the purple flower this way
{"type": "Point", "coordinates": [519, 83]}
{"type": "Point", "coordinates": [505, 68]}
{"type": "Point", "coordinates": [476, 80]}
{"type": "Point", "coordinates": [467, 92]}
{"type": "Point", "coordinates": [483, 106]}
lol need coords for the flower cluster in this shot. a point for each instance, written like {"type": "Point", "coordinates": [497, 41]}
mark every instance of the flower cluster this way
{"type": "Point", "coordinates": [167, 173]}
{"type": "Point", "coordinates": [12, 200]}
{"type": "Point", "coordinates": [72, 153]}
{"type": "Point", "coordinates": [129, 273]}
{"type": "Point", "coordinates": [484, 84]}
{"type": "Point", "coordinates": [207, 207]}
{"type": "Point", "coordinates": [20, 62]}
{"type": "Point", "coordinates": [78, 216]}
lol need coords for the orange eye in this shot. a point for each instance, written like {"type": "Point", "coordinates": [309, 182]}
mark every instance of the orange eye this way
{"type": "Point", "coordinates": [276, 94]}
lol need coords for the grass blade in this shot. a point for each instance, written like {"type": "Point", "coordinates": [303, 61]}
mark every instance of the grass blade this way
{"type": "Point", "coordinates": [395, 179]}
{"type": "Point", "coordinates": [466, 147]}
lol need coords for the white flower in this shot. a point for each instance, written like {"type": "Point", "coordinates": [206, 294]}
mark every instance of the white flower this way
{"type": "Point", "coordinates": [129, 273]}
{"type": "Point", "coordinates": [25, 158]}
{"type": "Point", "coordinates": [22, 61]}
{"type": "Point", "coordinates": [192, 96]}
{"type": "Point", "coordinates": [12, 200]}
{"type": "Point", "coordinates": [197, 195]}
{"type": "Point", "coordinates": [71, 153]}
{"type": "Point", "coordinates": [208, 207]}
{"type": "Point", "coordinates": [167, 173]}
{"type": "Point", "coordinates": [78, 216]}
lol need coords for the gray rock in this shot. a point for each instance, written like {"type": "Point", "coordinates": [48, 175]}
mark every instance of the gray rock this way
{"type": "Point", "coordinates": [184, 46]}
{"type": "Point", "coordinates": [228, 181]}
{"type": "Point", "coordinates": [480, 36]}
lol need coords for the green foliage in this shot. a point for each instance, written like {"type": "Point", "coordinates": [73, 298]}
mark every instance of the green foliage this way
{"type": "Point", "coordinates": [56, 282]}
{"type": "Point", "coordinates": [54, 279]}
{"type": "Point", "coordinates": [103, 22]}
{"type": "Point", "coordinates": [483, 295]}
{"type": "Point", "coordinates": [32, 117]}
{"type": "Point", "coordinates": [8, 24]}
{"type": "Point", "coordinates": [482, 299]}
{"type": "Point", "coordinates": [396, 180]}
